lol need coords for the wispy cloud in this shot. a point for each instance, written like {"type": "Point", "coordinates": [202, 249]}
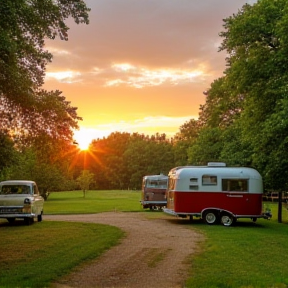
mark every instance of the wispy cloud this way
{"type": "Point", "coordinates": [64, 76]}
{"type": "Point", "coordinates": [131, 76]}
{"type": "Point", "coordinates": [139, 77]}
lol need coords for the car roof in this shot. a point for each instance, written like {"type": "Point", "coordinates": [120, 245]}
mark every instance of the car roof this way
{"type": "Point", "coordinates": [15, 182]}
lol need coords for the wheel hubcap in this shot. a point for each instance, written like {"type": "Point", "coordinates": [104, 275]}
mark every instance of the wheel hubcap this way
{"type": "Point", "coordinates": [210, 218]}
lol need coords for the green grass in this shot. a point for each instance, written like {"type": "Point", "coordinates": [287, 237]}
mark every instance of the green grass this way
{"type": "Point", "coordinates": [36, 255]}
{"type": "Point", "coordinates": [249, 255]}
{"type": "Point", "coordinates": [94, 202]}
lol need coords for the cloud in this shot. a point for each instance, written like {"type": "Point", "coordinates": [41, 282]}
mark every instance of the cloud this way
{"type": "Point", "coordinates": [139, 77]}
{"type": "Point", "coordinates": [131, 76]}
{"type": "Point", "coordinates": [141, 58]}
{"type": "Point", "coordinates": [64, 76]}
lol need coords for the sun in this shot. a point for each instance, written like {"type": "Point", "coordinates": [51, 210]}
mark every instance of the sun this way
{"type": "Point", "coordinates": [83, 144]}
{"type": "Point", "coordinates": [83, 137]}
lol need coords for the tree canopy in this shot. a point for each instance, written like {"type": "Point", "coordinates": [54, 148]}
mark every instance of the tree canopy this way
{"type": "Point", "coordinates": [24, 26]}
{"type": "Point", "coordinates": [249, 103]}
{"type": "Point", "coordinates": [243, 121]}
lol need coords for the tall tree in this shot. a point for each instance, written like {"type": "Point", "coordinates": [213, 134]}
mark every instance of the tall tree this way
{"type": "Point", "coordinates": [256, 41]}
{"type": "Point", "coordinates": [206, 148]}
{"type": "Point", "coordinates": [24, 26]}
{"type": "Point", "coordinates": [187, 135]}
{"type": "Point", "coordinates": [8, 155]}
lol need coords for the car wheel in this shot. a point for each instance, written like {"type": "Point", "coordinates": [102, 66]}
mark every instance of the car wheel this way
{"type": "Point", "coordinates": [227, 219]}
{"type": "Point", "coordinates": [28, 220]}
{"type": "Point", "coordinates": [39, 217]}
{"type": "Point", "coordinates": [11, 220]}
{"type": "Point", "coordinates": [210, 217]}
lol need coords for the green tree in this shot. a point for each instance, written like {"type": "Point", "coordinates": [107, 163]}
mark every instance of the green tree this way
{"type": "Point", "coordinates": [187, 135]}
{"type": "Point", "coordinates": [256, 41]}
{"type": "Point", "coordinates": [223, 105]}
{"type": "Point", "coordinates": [8, 156]}
{"type": "Point", "coordinates": [147, 156]}
{"type": "Point", "coordinates": [85, 180]}
{"type": "Point", "coordinates": [207, 147]}
{"type": "Point", "coordinates": [106, 161]}
{"type": "Point", "coordinates": [48, 175]}
{"type": "Point", "coordinates": [24, 26]}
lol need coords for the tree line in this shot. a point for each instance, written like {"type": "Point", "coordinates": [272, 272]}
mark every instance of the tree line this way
{"type": "Point", "coordinates": [243, 121]}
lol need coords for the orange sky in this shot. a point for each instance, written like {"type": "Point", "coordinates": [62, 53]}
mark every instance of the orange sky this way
{"type": "Point", "coordinates": [140, 66]}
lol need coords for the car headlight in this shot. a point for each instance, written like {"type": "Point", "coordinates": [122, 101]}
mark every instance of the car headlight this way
{"type": "Point", "coordinates": [27, 201]}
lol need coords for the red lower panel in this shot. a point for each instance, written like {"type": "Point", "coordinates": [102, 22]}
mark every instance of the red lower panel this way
{"type": "Point", "coordinates": [235, 202]}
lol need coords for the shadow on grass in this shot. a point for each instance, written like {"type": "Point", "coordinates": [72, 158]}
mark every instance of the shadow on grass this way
{"type": "Point", "coordinates": [17, 222]}
{"type": "Point", "coordinates": [199, 222]}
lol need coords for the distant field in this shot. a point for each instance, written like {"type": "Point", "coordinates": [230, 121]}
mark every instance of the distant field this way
{"type": "Point", "coordinates": [94, 202]}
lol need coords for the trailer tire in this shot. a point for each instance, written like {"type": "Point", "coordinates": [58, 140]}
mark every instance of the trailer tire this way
{"type": "Point", "coordinates": [227, 219]}
{"type": "Point", "coordinates": [210, 217]}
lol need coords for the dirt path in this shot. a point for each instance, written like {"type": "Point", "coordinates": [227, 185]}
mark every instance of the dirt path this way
{"type": "Point", "coordinates": [155, 253]}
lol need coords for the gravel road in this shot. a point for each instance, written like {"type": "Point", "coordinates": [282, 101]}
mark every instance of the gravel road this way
{"type": "Point", "coordinates": [164, 242]}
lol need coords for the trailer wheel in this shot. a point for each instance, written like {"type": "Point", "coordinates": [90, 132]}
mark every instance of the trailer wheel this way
{"type": "Point", "coordinates": [210, 217]}
{"type": "Point", "coordinates": [227, 219]}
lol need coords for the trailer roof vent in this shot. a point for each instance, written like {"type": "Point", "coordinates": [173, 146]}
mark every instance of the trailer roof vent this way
{"type": "Point", "coordinates": [216, 164]}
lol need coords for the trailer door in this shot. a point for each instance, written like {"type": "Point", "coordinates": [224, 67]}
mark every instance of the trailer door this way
{"type": "Point", "coordinates": [237, 197]}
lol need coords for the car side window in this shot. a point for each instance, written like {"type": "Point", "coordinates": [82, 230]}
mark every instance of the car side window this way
{"type": "Point", "coordinates": [35, 190]}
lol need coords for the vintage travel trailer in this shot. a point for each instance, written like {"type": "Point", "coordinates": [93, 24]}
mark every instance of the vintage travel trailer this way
{"type": "Point", "coordinates": [153, 191]}
{"type": "Point", "coordinates": [215, 193]}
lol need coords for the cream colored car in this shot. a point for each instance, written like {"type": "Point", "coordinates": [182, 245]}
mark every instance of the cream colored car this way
{"type": "Point", "coordinates": [20, 199]}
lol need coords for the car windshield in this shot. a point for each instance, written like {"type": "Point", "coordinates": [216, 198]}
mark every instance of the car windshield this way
{"type": "Point", "coordinates": [14, 189]}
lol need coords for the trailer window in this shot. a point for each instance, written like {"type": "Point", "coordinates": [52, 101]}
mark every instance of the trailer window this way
{"type": "Point", "coordinates": [194, 180]}
{"type": "Point", "coordinates": [156, 183]}
{"type": "Point", "coordinates": [193, 187]}
{"type": "Point", "coordinates": [235, 185]}
{"type": "Point", "coordinates": [209, 180]}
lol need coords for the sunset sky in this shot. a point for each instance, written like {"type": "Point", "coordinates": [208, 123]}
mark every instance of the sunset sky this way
{"type": "Point", "coordinates": [140, 65]}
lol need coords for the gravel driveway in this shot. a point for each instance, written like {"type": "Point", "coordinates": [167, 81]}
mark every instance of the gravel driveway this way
{"type": "Point", "coordinates": [155, 253]}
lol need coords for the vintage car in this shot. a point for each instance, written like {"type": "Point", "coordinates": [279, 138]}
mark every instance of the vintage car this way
{"type": "Point", "coordinates": [20, 199]}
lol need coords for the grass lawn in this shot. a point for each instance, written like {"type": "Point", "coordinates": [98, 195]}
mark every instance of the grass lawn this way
{"type": "Point", "coordinates": [94, 202]}
{"type": "Point", "coordinates": [247, 255]}
{"type": "Point", "coordinates": [36, 255]}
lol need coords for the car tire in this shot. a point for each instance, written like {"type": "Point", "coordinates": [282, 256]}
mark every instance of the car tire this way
{"type": "Point", "coordinates": [11, 220]}
{"type": "Point", "coordinates": [39, 218]}
{"type": "Point", "coordinates": [28, 220]}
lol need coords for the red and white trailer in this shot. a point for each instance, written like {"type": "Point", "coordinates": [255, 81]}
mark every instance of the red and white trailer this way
{"type": "Point", "coordinates": [153, 191]}
{"type": "Point", "coordinates": [215, 193]}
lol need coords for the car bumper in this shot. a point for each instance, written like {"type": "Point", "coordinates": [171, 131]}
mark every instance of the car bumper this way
{"type": "Point", "coordinates": [27, 215]}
